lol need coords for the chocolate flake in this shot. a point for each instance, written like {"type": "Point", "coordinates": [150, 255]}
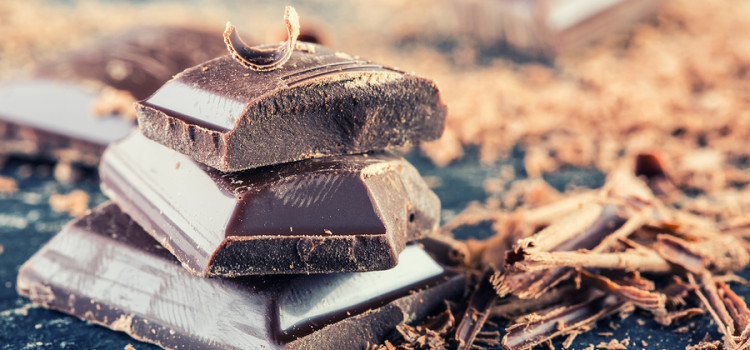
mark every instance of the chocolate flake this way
{"type": "Point", "coordinates": [651, 301]}
{"type": "Point", "coordinates": [476, 313]}
{"type": "Point", "coordinates": [535, 329]}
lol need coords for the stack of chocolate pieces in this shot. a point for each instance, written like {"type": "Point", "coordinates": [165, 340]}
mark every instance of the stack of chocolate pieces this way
{"type": "Point", "coordinates": [260, 209]}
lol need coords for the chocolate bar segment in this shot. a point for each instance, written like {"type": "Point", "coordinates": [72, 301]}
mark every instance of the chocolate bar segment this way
{"type": "Point", "coordinates": [53, 115]}
{"type": "Point", "coordinates": [105, 269]}
{"type": "Point", "coordinates": [320, 103]}
{"type": "Point", "coordinates": [345, 213]}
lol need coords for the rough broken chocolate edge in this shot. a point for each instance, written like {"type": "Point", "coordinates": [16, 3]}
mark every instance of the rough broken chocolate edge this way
{"type": "Point", "coordinates": [423, 120]}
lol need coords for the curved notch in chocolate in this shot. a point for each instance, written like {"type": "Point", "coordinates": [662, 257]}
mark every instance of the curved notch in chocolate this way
{"type": "Point", "coordinates": [259, 58]}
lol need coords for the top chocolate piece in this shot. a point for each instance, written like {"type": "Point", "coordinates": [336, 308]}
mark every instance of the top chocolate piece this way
{"type": "Point", "coordinates": [320, 103]}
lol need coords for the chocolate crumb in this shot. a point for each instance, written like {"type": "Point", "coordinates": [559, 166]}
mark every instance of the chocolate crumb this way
{"type": "Point", "coordinates": [75, 203]}
{"type": "Point", "coordinates": [113, 101]}
{"type": "Point", "coordinates": [613, 344]}
{"type": "Point", "coordinates": [8, 185]}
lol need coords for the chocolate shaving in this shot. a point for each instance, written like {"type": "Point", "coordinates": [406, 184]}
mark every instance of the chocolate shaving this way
{"type": "Point", "coordinates": [512, 306]}
{"type": "Point", "coordinates": [670, 318]}
{"type": "Point", "coordinates": [651, 301]}
{"type": "Point", "coordinates": [264, 59]}
{"type": "Point", "coordinates": [584, 229]}
{"type": "Point", "coordinates": [534, 329]}
{"type": "Point", "coordinates": [728, 310]}
{"type": "Point", "coordinates": [476, 313]}
{"type": "Point", "coordinates": [645, 261]}
{"type": "Point", "coordinates": [705, 345]}
{"type": "Point", "coordinates": [431, 335]}
{"type": "Point", "coordinates": [614, 344]}
{"type": "Point", "coordinates": [719, 253]}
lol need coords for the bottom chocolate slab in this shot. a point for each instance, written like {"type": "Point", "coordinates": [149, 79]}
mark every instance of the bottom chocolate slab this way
{"type": "Point", "coordinates": [105, 269]}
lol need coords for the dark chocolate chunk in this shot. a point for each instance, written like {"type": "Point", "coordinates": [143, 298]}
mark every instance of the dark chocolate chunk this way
{"type": "Point", "coordinates": [334, 214]}
{"type": "Point", "coordinates": [69, 109]}
{"type": "Point", "coordinates": [320, 103]}
{"type": "Point", "coordinates": [105, 269]}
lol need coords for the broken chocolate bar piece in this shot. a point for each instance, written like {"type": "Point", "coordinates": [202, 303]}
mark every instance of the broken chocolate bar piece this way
{"type": "Point", "coordinates": [72, 108]}
{"type": "Point", "coordinates": [320, 103]}
{"type": "Point", "coordinates": [334, 214]}
{"type": "Point", "coordinates": [106, 270]}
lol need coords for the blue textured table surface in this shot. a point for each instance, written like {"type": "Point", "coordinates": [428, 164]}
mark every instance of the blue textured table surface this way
{"type": "Point", "coordinates": [27, 222]}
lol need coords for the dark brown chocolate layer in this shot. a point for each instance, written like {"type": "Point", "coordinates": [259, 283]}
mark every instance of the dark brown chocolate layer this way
{"type": "Point", "coordinates": [320, 103]}
{"type": "Point", "coordinates": [345, 213]}
{"type": "Point", "coordinates": [52, 116]}
{"type": "Point", "coordinates": [105, 269]}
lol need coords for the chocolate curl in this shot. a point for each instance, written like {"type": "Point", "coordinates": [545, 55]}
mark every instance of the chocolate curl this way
{"type": "Point", "coordinates": [264, 59]}
{"type": "Point", "coordinates": [630, 260]}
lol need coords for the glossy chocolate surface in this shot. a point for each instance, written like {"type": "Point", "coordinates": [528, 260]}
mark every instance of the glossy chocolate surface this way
{"type": "Point", "coordinates": [52, 115]}
{"type": "Point", "coordinates": [345, 213]}
{"type": "Point", "coordinates": [320, 103]}
{"type": "Point", "coordinates": [105, 269]}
